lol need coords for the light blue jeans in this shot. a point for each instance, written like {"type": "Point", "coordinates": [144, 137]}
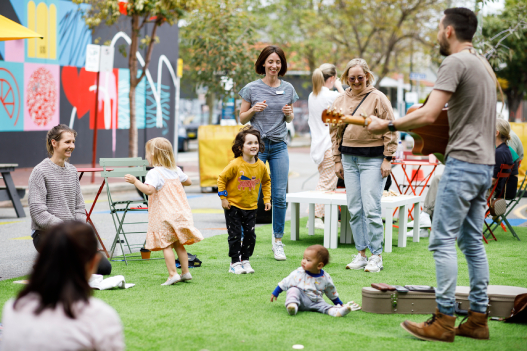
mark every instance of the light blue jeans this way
{"type": "Point", "coordinates": [459, 215]}
{"type": "Point", "coordinates": [278, 157]}
{"type": "Point", "coordinates": [364, 186]}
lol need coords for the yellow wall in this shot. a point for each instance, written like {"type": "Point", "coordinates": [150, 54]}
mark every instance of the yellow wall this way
{"type": "Point", "coordinates": [44, 21]}
{"type": "Point", "coordinates": [521, 130]}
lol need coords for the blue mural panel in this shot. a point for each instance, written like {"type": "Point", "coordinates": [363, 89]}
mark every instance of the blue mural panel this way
{"type": "Point", "coordinates": [11, 96]}
{"type": "Point", "coordinates": [73, 34]}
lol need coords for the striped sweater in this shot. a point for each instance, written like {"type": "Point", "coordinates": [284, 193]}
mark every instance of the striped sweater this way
{"type": "Point", "coordinates": [54, 195]}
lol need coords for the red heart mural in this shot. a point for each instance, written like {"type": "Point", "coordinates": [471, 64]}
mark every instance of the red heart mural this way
{"type": "Point", "coordinates": [76, 87]}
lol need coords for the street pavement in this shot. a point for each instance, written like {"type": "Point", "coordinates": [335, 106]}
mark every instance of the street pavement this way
{"type": "Point", "coordinates": [17, 253]}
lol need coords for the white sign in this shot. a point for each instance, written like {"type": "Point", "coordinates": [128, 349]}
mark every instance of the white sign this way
{"type": "Point", "coordinates": [417, 76]}
{"type": "Point", "coordinates": [93, 53]}
{"type": "Point", "coordinates": [106, 62]}
{"type": "Point", "coordinates": [411, 97]}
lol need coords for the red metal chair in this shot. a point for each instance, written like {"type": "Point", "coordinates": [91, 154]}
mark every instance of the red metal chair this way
{"type": "Point", "coordinates": [504, 173]}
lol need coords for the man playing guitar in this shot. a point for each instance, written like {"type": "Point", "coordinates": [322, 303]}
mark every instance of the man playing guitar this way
{"type": "Point", "coordinates": [465, 83]}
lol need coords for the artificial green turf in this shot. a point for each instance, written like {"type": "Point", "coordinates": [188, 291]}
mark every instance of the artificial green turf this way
{"type": "Point", "coordinates": [221, 311]}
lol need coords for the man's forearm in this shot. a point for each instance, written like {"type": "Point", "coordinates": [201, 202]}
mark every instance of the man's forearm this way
{"type": "Point", "coordinates": [419, 118]}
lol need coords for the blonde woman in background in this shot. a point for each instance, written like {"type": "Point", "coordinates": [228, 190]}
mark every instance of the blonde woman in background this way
{"type": "Point", "coordinates": [324, 79]}
{"type": "Point", "coordinates": [363, 160]}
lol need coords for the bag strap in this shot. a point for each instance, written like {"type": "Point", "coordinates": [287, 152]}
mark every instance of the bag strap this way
{"type": "Point", "coordinates": [356, 108]}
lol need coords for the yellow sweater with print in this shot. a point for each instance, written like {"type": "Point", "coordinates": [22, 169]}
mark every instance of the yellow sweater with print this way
{"type": "Point", "coordinates": [242, 181]}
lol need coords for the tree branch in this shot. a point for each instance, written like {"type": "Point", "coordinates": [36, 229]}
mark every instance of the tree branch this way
{"type": "Point", "coordinates": [149, 50]}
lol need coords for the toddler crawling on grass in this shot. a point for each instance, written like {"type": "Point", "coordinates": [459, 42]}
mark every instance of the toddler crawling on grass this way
{"type": "Point", "coordinates": [306, 285]}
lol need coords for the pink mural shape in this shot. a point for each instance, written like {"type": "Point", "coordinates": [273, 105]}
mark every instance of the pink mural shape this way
{"type": "Point", "coordinates": [41, 105]}
{"type": "Point", "coordinates": [14, 50]}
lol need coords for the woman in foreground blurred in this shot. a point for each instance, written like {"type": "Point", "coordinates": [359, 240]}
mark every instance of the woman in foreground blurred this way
{"type": "Point", "coordinates": [55, 311]}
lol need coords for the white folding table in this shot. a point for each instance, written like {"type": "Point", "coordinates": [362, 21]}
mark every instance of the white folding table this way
{"type": "Point", "coordinates": [334, 199]}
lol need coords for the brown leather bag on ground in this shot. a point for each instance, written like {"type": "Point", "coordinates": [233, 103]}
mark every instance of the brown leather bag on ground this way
{"type": "Point", "coordinates": [519, 312]}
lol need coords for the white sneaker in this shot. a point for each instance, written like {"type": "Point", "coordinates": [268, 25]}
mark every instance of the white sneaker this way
{"type": "Point", "coordinates": [237, 268]}
{"type": "Point", "coordinates": [339, 311]}
{"type": "Point", "coordinates": [424, 221]}
{"type": "Point", "coordinates": [246, 265]}
{"type": "Point", "coordinates": [423, 233]}
{"type": "Point", "coordinates": [292, 309]}
{"type": "Point", "coordinates": [374, 264]}
{"type": "Point", "coordinates": [358, 262]}
{"type": "Point", "coordinates": [186, 276]}
{"type": "Point", "coordinates": [172, 280]}
{"type": "Point", "coordinates": [278, 249]}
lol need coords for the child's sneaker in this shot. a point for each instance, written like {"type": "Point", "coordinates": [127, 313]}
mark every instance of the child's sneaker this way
{"type": "Point", "coordinates": [278, 249]}
{"type": "Point", "coordinates": [186, 276]}
{"type": "Point", "coordinates": [339, 311]}
{"type": "Point", "coordinates": [237, 268]}
{"type": "Point", "coordinates": [292, 309]}
{"type": "Point", "coordinates": [246, 265]}
{"type": "Point", "coordinates": [374, 264]}
{"type": "Point", "coordinates": [358, 262]}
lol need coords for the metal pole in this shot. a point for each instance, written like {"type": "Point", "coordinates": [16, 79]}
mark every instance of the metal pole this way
{"type": "Point", "coordinates": [176, 120]}
{"type": "Point", "coordinates": [94, 153]}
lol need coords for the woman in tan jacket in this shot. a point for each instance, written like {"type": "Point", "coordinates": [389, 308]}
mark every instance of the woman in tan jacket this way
{"type": "Point", "coordinates": [363, 160]}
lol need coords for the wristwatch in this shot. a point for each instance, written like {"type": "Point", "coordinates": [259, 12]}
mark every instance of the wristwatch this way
{"type": "Point", "coordinates": [222, 193]}
{"type": "Point", "coordinates": [391, 127]}
{"type": "Point", "coordinates": [388, 158]}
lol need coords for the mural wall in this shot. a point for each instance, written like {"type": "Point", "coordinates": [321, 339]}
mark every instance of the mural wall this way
{"type": "Point", "coordinates": [43, 83]}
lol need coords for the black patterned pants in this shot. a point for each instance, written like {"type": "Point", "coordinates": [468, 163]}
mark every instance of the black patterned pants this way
{"type": "Point", "coordinates": [237, 218]}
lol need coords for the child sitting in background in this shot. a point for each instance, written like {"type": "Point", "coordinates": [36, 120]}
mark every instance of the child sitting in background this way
{"type": "Point", "coordinates": [238, 187]}
{"type": "Point", "coordinates": [306, 285]}
{"type": "Point", "coordinates": [170, 222]}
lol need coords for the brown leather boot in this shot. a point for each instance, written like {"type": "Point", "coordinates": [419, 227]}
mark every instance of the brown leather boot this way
{"type": "Point", "coordinates": [438, 328]}
{"type": "Point", "coordinates": [475, 327]}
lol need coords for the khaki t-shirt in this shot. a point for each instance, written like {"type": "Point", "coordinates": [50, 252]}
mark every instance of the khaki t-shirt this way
{"type": "Point", "coordinates": [471, 109]}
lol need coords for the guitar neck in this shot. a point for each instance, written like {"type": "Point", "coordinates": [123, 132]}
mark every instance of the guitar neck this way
{"type": "Point", "coordinates": [357, 120]}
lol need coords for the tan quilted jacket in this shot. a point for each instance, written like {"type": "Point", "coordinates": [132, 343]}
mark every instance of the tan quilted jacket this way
{"type": "Point", "coordinates": [376, 104]}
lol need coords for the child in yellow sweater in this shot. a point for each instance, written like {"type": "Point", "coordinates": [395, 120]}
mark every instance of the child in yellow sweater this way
{"type": "Point", "coordinates": [238, 187]}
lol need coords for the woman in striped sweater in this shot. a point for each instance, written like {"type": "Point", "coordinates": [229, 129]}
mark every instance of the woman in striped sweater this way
{"type": "Point", "coordinates": [54, 189]}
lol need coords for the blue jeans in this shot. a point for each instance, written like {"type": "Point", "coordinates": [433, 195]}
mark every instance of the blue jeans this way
{"type": "Point", "coordinates": [459, 215]}
{"type": "Point", "coordinates": [364, 186]}
{"type": "Point", "coordinates": [276, 154]}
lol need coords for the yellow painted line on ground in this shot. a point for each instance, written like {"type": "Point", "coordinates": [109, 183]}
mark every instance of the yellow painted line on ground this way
{"type": "Point", "coordinates": [2, 223]}
{"type": "Point", "coordinates": [23, 238]}
{"type": "Point", "coordinates": [207, 210]}
{"type": "Point", "coordinates": [91, 201]}
{"type": "Point", "coordinates": [518, 212]}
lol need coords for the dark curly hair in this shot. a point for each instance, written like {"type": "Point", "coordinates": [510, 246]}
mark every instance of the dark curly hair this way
{"type": "Point", "coordinates": [237, 145]}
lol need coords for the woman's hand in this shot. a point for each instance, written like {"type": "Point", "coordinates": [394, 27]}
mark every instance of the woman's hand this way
{"type": "Point", "coordinates": [268, 206]}
{"type": "Point", "coordinates": [338, 85]}
{"type": "Point", "coordinates": [287, 110]}
{"type": "Point", "coordinates": [339, 171]}
{"type": "Point", "coordinates": [225, 204]}
{"type": "Point", "coordinates": [130, 179]}
{"type": "Point", "coordinates": [386, 168]}
{"type": "Point", "coordinates": [259, 106]}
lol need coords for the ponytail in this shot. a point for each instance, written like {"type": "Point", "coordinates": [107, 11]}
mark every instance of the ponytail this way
{"type": "Point", "coordinates": [321, 75]}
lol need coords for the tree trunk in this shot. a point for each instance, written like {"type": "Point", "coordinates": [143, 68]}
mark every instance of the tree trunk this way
{"type": "Point", "coordinates": [211, 97]}
{"type": "Point", "coordinates": [132, 65]}
{"type": "Point", "coordinates": [132, 143]}
{"type": "Point", "coordinates": [514, 99]}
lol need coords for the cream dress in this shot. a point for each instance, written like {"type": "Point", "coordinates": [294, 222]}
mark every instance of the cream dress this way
{"type": "Point", "coordinates": [169, 217]}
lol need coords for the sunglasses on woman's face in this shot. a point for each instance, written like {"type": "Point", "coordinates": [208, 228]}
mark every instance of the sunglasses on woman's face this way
{"type": "Point", "coordinates": [359, 79]}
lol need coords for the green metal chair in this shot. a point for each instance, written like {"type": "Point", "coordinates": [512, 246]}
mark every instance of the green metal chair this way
{"type": "Point", "coordinates": [511, 204]}
{"type": "Point", "coordinates": [119, 209]}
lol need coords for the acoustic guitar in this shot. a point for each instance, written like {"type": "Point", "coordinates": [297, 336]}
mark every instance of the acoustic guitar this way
{"type": "Point", "coordinates": [430, 139]}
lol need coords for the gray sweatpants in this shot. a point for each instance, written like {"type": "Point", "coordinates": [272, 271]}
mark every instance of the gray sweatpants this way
{"type": "Point", "coordinates": [295, 295]}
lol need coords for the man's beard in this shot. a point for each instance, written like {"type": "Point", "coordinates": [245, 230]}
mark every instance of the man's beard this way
{"type": "Point", "coordinates": [444, 47]}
